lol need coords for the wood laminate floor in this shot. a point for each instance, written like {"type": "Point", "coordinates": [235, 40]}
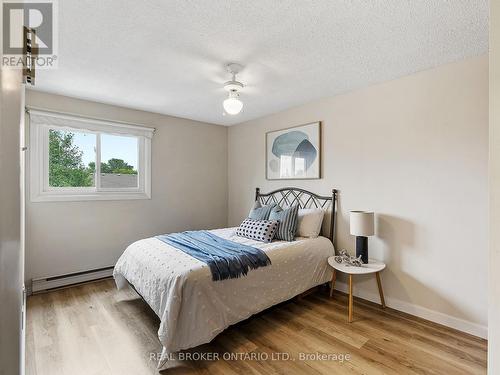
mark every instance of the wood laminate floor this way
{"type": "Point", "coordinates": [94, 329]}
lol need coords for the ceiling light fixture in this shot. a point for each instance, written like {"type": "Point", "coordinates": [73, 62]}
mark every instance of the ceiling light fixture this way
{"type": "Point", "coordinates": [233, 105]}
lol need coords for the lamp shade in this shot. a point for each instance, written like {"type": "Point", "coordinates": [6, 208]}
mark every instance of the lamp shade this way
{"type": "Point", "coordinates": [233, 106]}
{"type": "Point", "coordinates": [362, 223]}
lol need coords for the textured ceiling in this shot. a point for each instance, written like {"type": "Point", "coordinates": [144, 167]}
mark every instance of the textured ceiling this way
{"type": "Point", "coordinates": [168, 56]}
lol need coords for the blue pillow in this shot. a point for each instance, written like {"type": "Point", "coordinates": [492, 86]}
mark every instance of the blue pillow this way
{"type": "Point", "coordinates": [287, 219]}
{"type": "Point", "coordinates": [260, 213]}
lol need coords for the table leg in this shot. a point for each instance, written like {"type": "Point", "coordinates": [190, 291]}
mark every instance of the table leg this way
{"type": "Point", "coordinates": [350, 298]}
{"type": "Point", "coordinates": [332, 285]}
{"type": "Point", "coordinates": [380, 291]}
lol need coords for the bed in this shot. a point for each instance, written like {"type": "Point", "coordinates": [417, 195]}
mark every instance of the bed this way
{"type": "Point", "coordinates": [193, 308]}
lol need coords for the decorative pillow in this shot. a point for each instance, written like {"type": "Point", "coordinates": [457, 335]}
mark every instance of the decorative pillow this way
{"type": "Point", "coordinates": [259, 230]}
{"type": "Point", "coordinates": [260, 213]}
{"type": "Point", "coordinates": [310, 221]}
{"type": "Point", "coordinates": [287, 222]}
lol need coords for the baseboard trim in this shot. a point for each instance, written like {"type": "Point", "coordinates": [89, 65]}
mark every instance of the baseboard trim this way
{"type": "Point", "coordinates": [44, 284]}
{"type": "Point", "coordinates": [421, 312]}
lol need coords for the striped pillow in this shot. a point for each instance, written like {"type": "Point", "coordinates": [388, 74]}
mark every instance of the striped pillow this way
{"type": "Point", "coordinates": [287, 222]}
{"type": "Point", "coordinates": [260, 213]}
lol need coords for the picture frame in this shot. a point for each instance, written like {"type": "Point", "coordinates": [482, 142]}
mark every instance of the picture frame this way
{"type": "Point", "coordinates": [294, 153]}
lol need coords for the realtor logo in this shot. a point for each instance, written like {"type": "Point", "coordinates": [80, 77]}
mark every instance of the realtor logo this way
{"type": "Point", "coordinates": [39, 16]}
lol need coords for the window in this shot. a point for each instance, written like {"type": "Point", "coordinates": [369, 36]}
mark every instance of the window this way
{"type": "Point", "coordinates": [286, 166]}
{"type": "Point", "coordinates": [76, 158]}
{"type": "Point", "coordinates": [292, 166]}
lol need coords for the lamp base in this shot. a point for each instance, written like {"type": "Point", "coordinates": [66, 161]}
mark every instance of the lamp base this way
{"type": "Point", "coordinates": [362, 248]}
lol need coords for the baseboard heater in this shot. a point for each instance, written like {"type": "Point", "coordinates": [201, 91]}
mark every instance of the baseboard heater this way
{"type": "Point", "coordinates": [47, 283]}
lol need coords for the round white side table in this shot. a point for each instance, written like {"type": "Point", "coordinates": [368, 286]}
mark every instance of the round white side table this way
{"type": "Point", "coordinates": [373, 266]}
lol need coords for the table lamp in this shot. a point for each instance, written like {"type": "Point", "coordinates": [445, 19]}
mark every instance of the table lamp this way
{"type": "Point", "coordinates": [362, 225]}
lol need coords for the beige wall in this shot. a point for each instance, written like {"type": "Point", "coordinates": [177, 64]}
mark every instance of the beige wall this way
{"type": "Point", "coordinates": [494, 287]}
{"type": "Point", "coordinates": [189, 191]}
{"type": "Point", "coordinates": [415, 151]}
{"type": "Point", "coordinates": [11, 250]}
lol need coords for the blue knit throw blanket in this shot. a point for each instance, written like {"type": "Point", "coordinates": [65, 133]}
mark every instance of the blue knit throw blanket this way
{"type": "Point", "coordinates": [226, 259]}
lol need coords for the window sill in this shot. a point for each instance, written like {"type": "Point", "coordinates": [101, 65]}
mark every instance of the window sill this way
{"type": "Point", "coordinates": [101, 196]}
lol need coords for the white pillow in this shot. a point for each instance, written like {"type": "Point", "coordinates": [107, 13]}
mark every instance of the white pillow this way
{"type": "Point", "coordinates": [310, 221]}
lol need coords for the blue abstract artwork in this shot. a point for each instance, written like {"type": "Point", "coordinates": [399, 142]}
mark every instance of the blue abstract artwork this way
{"type": "Point", "coordinates": [294, 153]}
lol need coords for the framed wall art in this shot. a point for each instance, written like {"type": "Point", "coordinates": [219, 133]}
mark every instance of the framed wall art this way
{"type": "Point", "coordinates": [294, 153]}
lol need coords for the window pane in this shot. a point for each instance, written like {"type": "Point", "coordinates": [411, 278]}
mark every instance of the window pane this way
{"type": "Point", "coordinates": [286, 166]}
{"type": "Point", "coordinates": [118, 161]}
{"type": "Point", "coordinates": [71, 158]}
{"type": "Point", "coordinates": [300, 166]}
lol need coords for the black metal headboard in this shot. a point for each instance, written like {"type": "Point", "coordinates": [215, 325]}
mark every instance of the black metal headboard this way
{"type": "Point", "coordinates": [290, 196]}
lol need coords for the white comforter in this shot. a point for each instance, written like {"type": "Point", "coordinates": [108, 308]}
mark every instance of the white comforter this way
{"type": "Point", "coordinates": [193, 309]}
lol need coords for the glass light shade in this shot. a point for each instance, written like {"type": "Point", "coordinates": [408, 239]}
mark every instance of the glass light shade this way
{"type": "Point", "coordinates": [233, 105]}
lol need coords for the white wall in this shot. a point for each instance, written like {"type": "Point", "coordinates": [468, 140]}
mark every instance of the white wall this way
{"type": "Point", "coordinates": [11, 252]}
{"type": "Point", "coordinates": [415, 151]}
{"type": "Point", "coordinates": [494, 287]}
{"type": "Point", "coordinates": [189, 191]}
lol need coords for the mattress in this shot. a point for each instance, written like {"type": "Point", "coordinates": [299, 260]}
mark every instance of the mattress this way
{"type": "Point", "coordinates": [193, 309]}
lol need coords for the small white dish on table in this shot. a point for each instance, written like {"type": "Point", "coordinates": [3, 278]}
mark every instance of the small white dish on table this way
{"type": "Point", "coordinates": [373, 266]}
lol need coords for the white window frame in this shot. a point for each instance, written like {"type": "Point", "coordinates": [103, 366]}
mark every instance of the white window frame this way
{"type": "Point", "coordinates": [40, 122]}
